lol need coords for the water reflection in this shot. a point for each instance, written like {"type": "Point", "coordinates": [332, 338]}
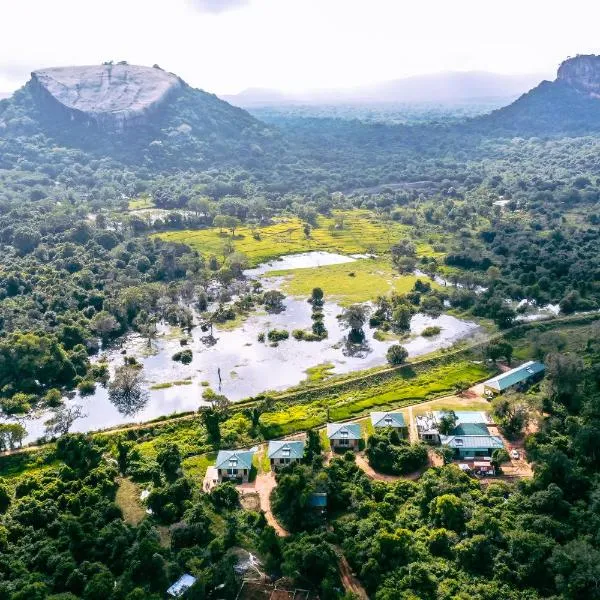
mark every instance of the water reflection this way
{"type": "Point", "coordinates": [247, 366]}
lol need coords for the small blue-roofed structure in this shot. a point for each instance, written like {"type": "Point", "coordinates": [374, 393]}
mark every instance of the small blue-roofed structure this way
{"type": "Point", "coordinates": [181, 586]}
{"type": "Point", "coordinates": [234, 464]}
{"type": "Point", "coordinates": [517, 378]}
{"type": "Point", "coordinates": [344, 436]}
{"type": "Point", "coordinates": [282, 453]}
{"type": "Point", "coordinates": [318, 501]}
{"type": "Point", "coordinates": [390, 419]}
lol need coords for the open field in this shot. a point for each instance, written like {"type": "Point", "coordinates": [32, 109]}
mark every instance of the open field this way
{"type": "Point", "coordinates": [349, 232]}
{"type": "Point", "coordinates": [347, 283]}
{"type": "Point", "coordinates": [128, 500]}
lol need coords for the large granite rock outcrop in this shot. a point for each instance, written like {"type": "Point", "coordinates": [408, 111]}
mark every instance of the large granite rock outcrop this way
{"type": "Point", "coordinates": [582, 73]}
{"type": "Point", "coordinates": [110, 96]}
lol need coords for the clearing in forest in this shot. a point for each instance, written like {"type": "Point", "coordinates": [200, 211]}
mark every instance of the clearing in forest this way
{"type": "Point", "coordinates": [348, 232]}
{"type": "Point", "coordinates": [128, 500]}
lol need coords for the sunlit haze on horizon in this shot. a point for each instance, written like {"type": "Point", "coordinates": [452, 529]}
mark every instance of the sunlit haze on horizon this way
{"type": "Point", "coordinates": [225, 46]}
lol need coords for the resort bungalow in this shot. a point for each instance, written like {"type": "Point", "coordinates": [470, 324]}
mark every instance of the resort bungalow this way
{"type": "Point", "coordinates": [282, 454]}
{"type": "Point", "coordinates": [390, 419]}
{"type": "Point", "coordinates": [344, 435]}
{"type": "Point", "coordinates": [467, 423]}
{"type": "Point", "coordinates": [427, 428]}
{"type": "Point", "coordinates": [515, 379]}
{"type": "Point", "coordinates": [467, 446]}
{"type": "Point", "coordinates": [234, 464]}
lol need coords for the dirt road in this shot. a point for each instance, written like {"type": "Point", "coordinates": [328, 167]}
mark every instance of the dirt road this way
{"type": "Point", "coordinates": [263, 485]}
{"type": "Point", "coordinates": [350, 582]}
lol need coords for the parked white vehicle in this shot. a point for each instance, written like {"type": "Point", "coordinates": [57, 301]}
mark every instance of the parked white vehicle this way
{"type": "Point", "coordinates": [514, 454]}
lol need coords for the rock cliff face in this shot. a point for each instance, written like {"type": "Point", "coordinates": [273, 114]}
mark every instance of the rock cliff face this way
{"type": "Point", "coordinates": [582, 73]}
{"type": "Point", "coordinates": [111, 97]}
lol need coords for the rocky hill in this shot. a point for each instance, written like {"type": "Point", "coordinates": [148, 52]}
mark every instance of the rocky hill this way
{"type": "Point", "coordinates": [134, 114]}
{"type": "Point", "coordinates": [568, 105]}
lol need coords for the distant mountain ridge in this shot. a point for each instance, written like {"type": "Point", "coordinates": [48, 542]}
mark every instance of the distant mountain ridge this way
{"type": "Point", "coordinates": [446, 87]}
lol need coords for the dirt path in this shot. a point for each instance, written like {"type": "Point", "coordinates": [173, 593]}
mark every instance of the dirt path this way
{"type": "Point", "coordinates": [350, 582]}
{"type": "Point", "coordinates": [413, 435]}
{"type": "Point", "coordinates": [263, 485]}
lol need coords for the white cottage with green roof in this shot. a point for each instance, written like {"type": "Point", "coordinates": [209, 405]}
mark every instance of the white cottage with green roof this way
{"type": "Point", "coordinates": [344, 436]}
{"type": "Point", "coordinates": [234, 464]}
{"type": "Point", "coordinates": [283, 453]}
{"type": "Point", "coordinates": [395, 420]}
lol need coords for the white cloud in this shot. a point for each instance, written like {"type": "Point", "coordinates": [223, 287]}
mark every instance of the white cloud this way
{"type": "Point", "coordinates": [217, 6]}
{"type": "Point", "coordinates": [295, 44]}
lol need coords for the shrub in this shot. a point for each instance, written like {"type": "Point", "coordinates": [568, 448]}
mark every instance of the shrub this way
{"type": "Point", "coordinates": [183, 356]}
{"type": "Point", "coordinates": [277, 335]}
{"type": "Point", "coordinates": [431, 331]}
{"type": "Point", "coordinates": [389, 454]}
{"type": "Point", "coordinates": [396, 354]}
{"type": "Point", "coordinates": [86, 387]}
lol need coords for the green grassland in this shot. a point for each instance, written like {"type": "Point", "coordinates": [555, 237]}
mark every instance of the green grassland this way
{"type": "Point", "coordinates": [360, 281]}
{"type": "Point", "coordinates": [408, 387]}
{"type": "Point", "coordinates": [361, 232]}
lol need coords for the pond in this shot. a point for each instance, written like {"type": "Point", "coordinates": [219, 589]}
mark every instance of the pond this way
{"type": "Point", "coordinates": [238, 365]}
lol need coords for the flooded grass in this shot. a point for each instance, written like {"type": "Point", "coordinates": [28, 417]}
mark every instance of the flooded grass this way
{"type": "Point", "coordinates": [319, 372]}
{"type": "Point", "coordinates": [360, 281]}
{"type": "Point", "coordinates": [167, 384]}
{"type": "Point", "coordinates": [347, 232]}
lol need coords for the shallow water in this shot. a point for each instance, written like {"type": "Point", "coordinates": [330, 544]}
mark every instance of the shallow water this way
{"type": "Point", "coordinates": [304, 260]}
{"type": "Point", "coordinates": [247, 366]}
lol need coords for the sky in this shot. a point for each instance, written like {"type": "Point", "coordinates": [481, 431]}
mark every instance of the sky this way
{"type": "Point", "coordinates": [225, 46]}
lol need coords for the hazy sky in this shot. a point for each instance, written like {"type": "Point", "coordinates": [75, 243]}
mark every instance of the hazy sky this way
{"type": "Point", "coordinates": [225, 46]}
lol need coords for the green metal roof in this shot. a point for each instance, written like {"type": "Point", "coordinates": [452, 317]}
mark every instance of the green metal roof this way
{"type": "Point", "coordinates": [472, 442]}
{"type": "Point", "coordinates": [470, 429]}
{"type": "Point", "coordinates": [515, 376]}
{"type": "Point", "coordinates": [234, 459]}
{"type": "Point", "coordinates": [387, 419]}
{"type": "Point", "coordinates": [340, 431]}
{"type": "Point", "coordinates": [286, 449]}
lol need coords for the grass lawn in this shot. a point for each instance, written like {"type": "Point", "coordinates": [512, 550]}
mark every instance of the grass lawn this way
{"type": "Point", "coordinates": [325, 445]}
{"type": "Point", "coordinates": [128, 500]}
{"type": "Point", "coordinates": [453, 403]}
{"type": "Point", "coordinates": [195, 466]}
{"type": "Point", "coordinates": [362, 232]}
{"type": "Point", "coordinates": [349, 283]}
{"type": "Point", "coordinates": [405, 389]}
